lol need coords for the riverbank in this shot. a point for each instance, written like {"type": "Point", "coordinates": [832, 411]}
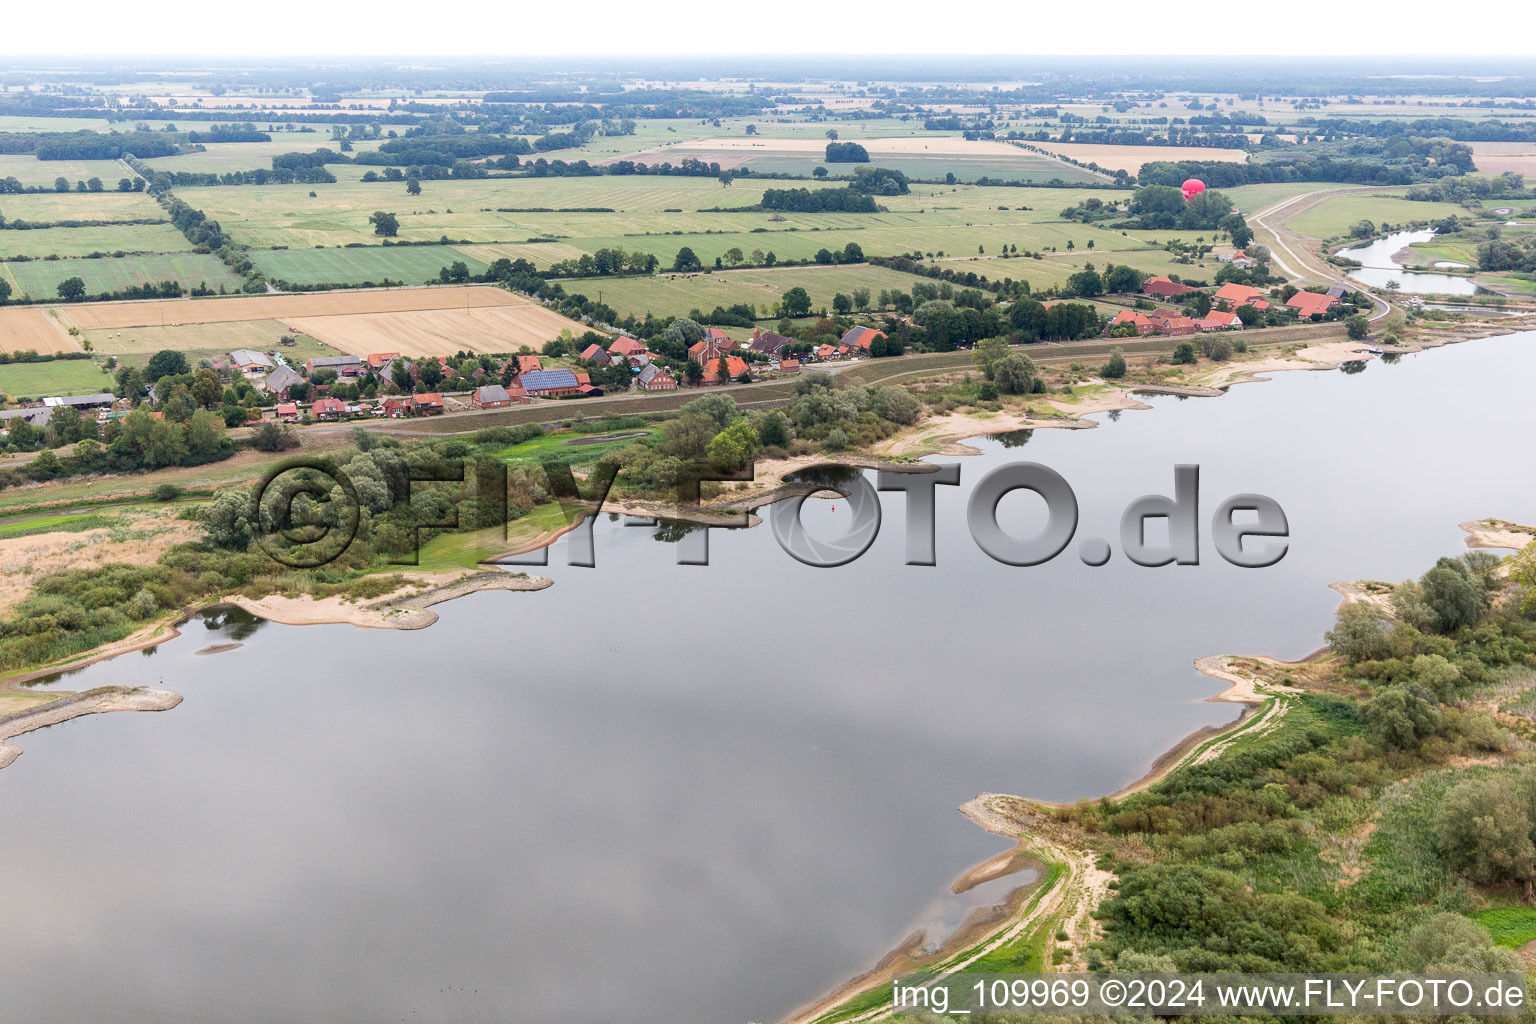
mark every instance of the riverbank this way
{"type": "Point", "coordinates": [1254, 682]}
{"type": "Point", "coordinates": [67, 708]}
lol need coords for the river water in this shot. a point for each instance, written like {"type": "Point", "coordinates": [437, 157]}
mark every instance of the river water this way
{"type": "Point", "coordinates": [1378, 267]}
{"type": "Point", "coordinates": [671, 793]}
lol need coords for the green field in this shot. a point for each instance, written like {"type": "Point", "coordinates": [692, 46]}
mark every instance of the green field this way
{"type": "Point", "coordinates": [84, 241]}
{"type": "Point", "coordinates": [103, 206]}
{"type": "Point", "coordinates": [29, 170]}
{"type": "Point", "coordinates": [409, 263]}
{"type": "Point", "coordinates": [224, 157]}
{"type": "Point", "coordinates": [58, 377]}
{"type": "Point", "coordinates": [1334, 216]}
{"type": "Point", "coordinates": [677, 294]}
{"type": "Point", "coordinates": [40, 278]}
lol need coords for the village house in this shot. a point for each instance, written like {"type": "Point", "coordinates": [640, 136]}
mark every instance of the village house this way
{"type": "Point", "coordinates": [528, 364]}
{"type": "Point", "coordinates": [328, 409]}
{"type": "Point", "coordinates": [1136, 319]}
{"type": "Point", "coordinates": [288, 412]}
{"type": "Point", "coordinates": [1217, 320]}
{"type": "Point", "coordinates": [595, 353]}
{"type": "Point", "coordinates": [769, 344]}
{"type": "Point", "coordinates": [1165, 288]}
{"type": "Point", "coordinates": [1232, 295]}
{"type": "Point", "coordinates": [735, 366]}
{"type": "Point", "coordinates": [824, 352]}
{"type": "Point", "coordinates": [379, 362]}
{"type": "Point", "coordinates": [1167, 321]}
{"type": "Point", "coordinates": [394, 408]}
{"type": "Point", "coordinates": [859, 339]}
{"type": "Point", "coordinates": [549, 383]}
{"type": "Point", "coordinates": [1310, 304]}
{"type": "Point", "coordinates": [789, 366]}
{"type": "Point", "coordinates": [490, 396]}
{"type": "Point", "coordinates": [429, 403]}
{"type": "Point", "coordinates": [655, 377]}
{"type": "Point", "coordinates": [624, 347]}
{"type": "Point", "coordinates": [280, 380]}
{"type": "Point", "coordinates": [345, 366]}
{"type": "Point", "coordinates": [250, 362]}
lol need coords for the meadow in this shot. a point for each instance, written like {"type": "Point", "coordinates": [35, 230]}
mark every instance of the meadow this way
{"type": "Point", "coordinates": [29, 170]}
{"type": "Point", "coordinates": [41, 278]}
{"type": "Point", "coordinates": [57, 377]}
{"type": "Point", "coordinates": [677, 294]}
{"type": "Point", "coordinates": [415, 264]}
{"type": "Point", "coordinates": [99, 206]}
{"type": "Point", "coordinates": [84, 241]}
{"type": "Point", "coordinates": [134, 345]}
{"type": "Point", "coordinates": [224, 157]}
{"type": "Point", "coordinates": [1335, 216]}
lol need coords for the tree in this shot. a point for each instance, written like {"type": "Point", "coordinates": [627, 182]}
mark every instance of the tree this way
{"type": "Point", "coordinates": [684, 332]}
{"type": "Point", "coordinates": [1185, 353]}
{"type": "Point", "coordinates": [1014, 374]}
{"type": "Point", "coordinates": [733, 447]}
{"type": "Point", "coordinates": [694, 373]}
{"type": "Point", "coordinates": [734, 256]}
{"type": "Point", "coordinates": [5, 291]}
{"type": "Point", "coordinates": [95, 185]}
{"type": "Point", "coordinates": [206, 389]}
{"type": "Point", "coordinates": [1398, 717]}
{"type": "Point", "coordinates": [1221, 350]}
{"type": "Point", "coordinates": [1357, 326]}
{"type": "Point", "coordinates": [1114, 367]}
{"type": "Point", "coordinates": [164, 363]}
{"type": "Point", "coordinates": [988, 353]}
{"type": "Point", "coordinates": [1483, 830]}
{"type": "Point", "coordinates": [861, 299]}
{"type": "Point", "coordinates": [818, 172]}
{"type": "Point", "coordinates": [686, 261]}
{"type": "Point", "coordinates": [72, 289]}
{"type": "Point", "coordinates": [61, 184]}
{"type": "Point", "coordinates": [774, 431]}
{"type": "Point", "coordinates": [795, 302]}
{"type": "Point", "coordinates": [1456, 596]}
{"type": "Point", "coordinates": [412, 186]}
{"type": "Point", "coordinates": [842, 304]}
{"type": "Point", "coordinates": [226, 521]}
{"type": "Point", "coordinates": [385, 225]}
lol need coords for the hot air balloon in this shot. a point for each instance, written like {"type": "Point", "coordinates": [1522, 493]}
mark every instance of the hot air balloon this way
{"type": "Point", "coordinates": [1192, 188]}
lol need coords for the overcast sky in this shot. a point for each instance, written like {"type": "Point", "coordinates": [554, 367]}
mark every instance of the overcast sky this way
{"type": "Point", "coordinates": [473, 27]}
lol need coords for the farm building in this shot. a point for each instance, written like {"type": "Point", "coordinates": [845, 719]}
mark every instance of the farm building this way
{"type": "Point", "coordinates": [528, 364]}
{"type": "Point", "coordinates": [379, 362]}
{"type": "Point", "coordinates": [345, 366]}
{"type": "Point", "coordinates": [1310, 304]}
{"type": "Point", "coordinates": [288, 412]}
{"type": "Point", "coordinates": [248, 361]}
{"type": "Point", "coordinates": [548, 383]}
{"type": "Point", "coordinates": [1137, 320]}
{"type": "Point", "coordinates": [860, 338]}
{"type": "Point", "coordinates": [1230, 295]}
{"type": "Point", "coordinates": [656, 377]}
{"type": "Point", "coordinates": [1167, 322]}
{"type": "Point", "coordinates": [430, 402]}
{"type": "Point", "coordinates": [1165, 288]}
{"type": "Point", "coordinates": [1217, 320]}
{"type": "Point", "coordinates": [767, 343]}
{"type": "Point", "coordinates": [280, 380]}
{"type": "Point", "coordinates": [735, 366]}
{"type": "Point", "coordinates": [490, 396]}
{"type": "Point", "coordinates": [626, 347]}
{"type": "Point", "coordinates": [595, 352]}
{"type": "Point", "coordinates": [96, 401]}
{"type": "Point", "coordinates": [789, 366]}
{"type": "Point", "coordinates": [37, 416]}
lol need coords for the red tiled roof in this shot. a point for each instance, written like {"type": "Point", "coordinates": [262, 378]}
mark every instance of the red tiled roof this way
{"type": "Point", "coordinates": [1237, 294]}
{"type": "Point", "coordinates": [735, 366]}
{"type": "Point", "coordinates": [625, 346]}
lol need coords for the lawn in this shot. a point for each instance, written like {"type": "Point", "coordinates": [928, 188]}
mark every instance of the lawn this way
{"type": "Point", "coordinates": [57, 377]}
{"type": "Point", "coordinates": [41, 278]}
{"type": "Point", "coordinates": [84, 241]}
{"type": "Point", "coordinates": [411, 264]}
{"type": "Point", "coordinates": [467, 549]}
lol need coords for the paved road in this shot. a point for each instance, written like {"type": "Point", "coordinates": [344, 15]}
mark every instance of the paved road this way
{"type": "Point", "coordinates": [1291, 253]}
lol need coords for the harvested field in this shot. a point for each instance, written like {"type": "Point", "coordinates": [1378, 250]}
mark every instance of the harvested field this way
{"type": "Point", "coordinates": [439, 332]}
{"type": "Point", "coordinates": [1130, 158]}
{"type": "Point", "coordinates": [1498, 157]}
{"type": "Point", "coordinates": [33, 329]}
{"type": "Point", "coordinates": [103, 315]}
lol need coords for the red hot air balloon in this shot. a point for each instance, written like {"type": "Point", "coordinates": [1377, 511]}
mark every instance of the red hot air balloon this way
{"type": "Point", "coordinates": [1192, 188]}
